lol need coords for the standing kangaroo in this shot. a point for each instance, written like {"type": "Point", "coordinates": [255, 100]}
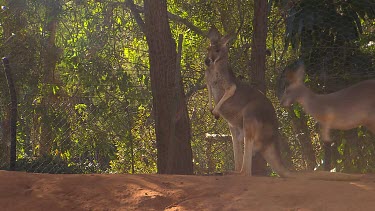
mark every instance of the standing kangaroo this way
{"type": "Point", "coordinates": [344, 109]}
{"type": "Point", "coordinates": [250, 115]}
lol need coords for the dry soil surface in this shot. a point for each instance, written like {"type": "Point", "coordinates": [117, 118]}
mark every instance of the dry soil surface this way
{"type": "Point", "coordinates": [27, 191]}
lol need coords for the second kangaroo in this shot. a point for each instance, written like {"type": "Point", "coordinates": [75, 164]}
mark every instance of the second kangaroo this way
{"type": "Point", "coordinates": [344, 109]}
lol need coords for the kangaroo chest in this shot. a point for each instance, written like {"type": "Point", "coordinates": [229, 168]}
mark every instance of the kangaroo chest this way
{"type": "Point", "coordinates": [218, 82]}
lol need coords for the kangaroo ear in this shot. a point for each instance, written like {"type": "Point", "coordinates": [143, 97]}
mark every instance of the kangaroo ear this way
{"type": "Point", "coordinates": [213, 35]}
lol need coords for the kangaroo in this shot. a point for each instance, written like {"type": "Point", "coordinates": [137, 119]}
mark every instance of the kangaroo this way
{"type": "Point", "coordinates": [250, 115]}
{"type": "Point", "coordinates": [344, 109]}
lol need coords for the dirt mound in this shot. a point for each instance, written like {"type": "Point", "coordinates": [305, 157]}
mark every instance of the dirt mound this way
{"type": "Point", "coordinates": [26, 191]}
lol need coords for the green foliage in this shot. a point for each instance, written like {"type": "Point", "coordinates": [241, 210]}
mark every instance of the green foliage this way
{"type": "Point", "coordinates": [326, 35]}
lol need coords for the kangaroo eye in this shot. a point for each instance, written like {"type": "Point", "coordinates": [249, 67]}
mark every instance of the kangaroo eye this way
{"type": "Point", "coordinates": [208, 61]}
{"type": "Point", "coordinates": [217, 50]}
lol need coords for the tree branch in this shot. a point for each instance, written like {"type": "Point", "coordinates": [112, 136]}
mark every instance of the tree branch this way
{"type": "Point", "coordinates": [136, 10]}
{"type": "Point", "coordinates": [187, 23]}
{"type": "Point", "coordinates": [198, 86]}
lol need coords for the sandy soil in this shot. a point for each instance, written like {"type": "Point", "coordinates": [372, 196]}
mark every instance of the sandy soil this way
{"type": "Point", "coordinates": [26, 191]}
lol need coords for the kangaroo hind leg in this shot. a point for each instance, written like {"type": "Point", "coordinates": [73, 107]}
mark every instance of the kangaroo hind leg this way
{"type": "Point", "coordinates": [251, 128]}
{"type": "Point", "coordinates": [238, 141]}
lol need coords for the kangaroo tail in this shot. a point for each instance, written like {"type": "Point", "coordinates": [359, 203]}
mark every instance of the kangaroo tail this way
{"type": "Point", "coordinates": [272, 155]}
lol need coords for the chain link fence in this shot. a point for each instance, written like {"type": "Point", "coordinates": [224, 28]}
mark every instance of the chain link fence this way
{"type": "Point", "coordinates": [59, 134]}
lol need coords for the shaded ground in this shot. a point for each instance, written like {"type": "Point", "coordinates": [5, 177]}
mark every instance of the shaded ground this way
{"type": "Point", "coordinates": [26, 191]}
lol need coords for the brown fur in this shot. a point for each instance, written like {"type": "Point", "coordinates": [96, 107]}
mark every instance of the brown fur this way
{"type": "Point", "coordinates": [344, 109]}
{"type": "Point", "coordinates": [249, 113]}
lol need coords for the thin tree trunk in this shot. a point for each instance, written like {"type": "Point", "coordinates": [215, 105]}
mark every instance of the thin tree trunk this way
{"type": "Point", "coordinates": [50, 59]}
{"type": "Point", "coordinates": [5, 137]}
{"type": "Point", "coordinates": [13, 23]}
{"type": "Point", "coordinates": [327, 156]}
{"type": "Point", "coordinates": [350, 159]}
{"type": "Point", "coordinates": [13, 114]}
{"type": "Point", "coordinates": [300, 127]}
{"type": "Point", "coordinates": [162, 55]}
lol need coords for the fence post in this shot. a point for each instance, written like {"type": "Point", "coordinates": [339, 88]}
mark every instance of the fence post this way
{"type": "Point", "coordinates": [13, 114]}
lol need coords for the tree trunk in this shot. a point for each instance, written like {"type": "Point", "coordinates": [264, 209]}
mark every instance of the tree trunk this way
{"type": "Point", "coordinates": [300, 127]}
{"type": "Point", "coordinates": [5, 137]}
{"type": "Point", "coordinates": [327, 156]}
{"type": "Point", "coordinates": [258, 46]}
{"type": "Point", "coordinates": [163, 55]}
{"type": "Point", "coordinates": [351, 154]}
{"type": "Point", "coordinates": [258, 64]}
{"type": "Point", "coordinates": [50, 58]}
{"type": "Point", "coordinates": [14, 23]}
{"type": "Point", "coordinates": [13, 114]}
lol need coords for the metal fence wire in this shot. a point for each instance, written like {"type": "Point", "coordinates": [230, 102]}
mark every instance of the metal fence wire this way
{"type": "Point", "coordinates": [98, 135]}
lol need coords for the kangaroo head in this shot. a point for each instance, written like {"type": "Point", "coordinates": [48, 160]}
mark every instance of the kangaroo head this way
{"type": "Point", "coordinates": [218, 49]}
{"type": "Point", "coordinates": [294, 89]}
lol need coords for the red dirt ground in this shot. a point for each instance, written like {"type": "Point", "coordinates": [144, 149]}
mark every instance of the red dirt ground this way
{"type": "Point", "coordinates": [26, 191]}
